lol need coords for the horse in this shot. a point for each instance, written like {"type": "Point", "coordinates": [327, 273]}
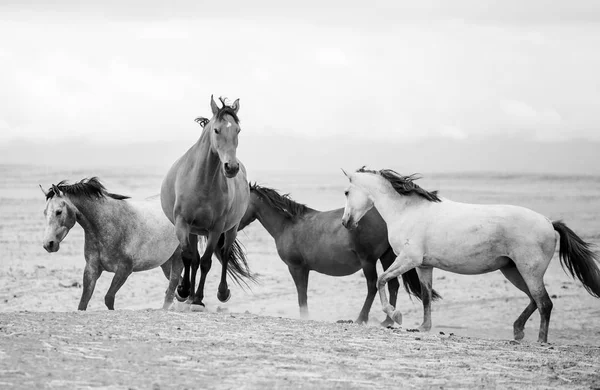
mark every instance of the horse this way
{"type": "Point", "coordinates": [310, 240]}
{"type": "Point", "coordinates": [121, 235]}
{"type": "Point", "coordinates": [427, 231]}
{"type": "Point", "coordinates": [205, 193]}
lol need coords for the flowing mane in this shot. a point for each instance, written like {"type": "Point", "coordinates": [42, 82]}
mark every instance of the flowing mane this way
{"type": "Point", "coordinates": [91, 188]}
{"type": "Point", "coordinates": [404, 185]}
{"type": "Point", "coordinates": [282, 203]}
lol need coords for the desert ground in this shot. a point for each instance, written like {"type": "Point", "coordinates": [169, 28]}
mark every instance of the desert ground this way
{"type": "Point", "coordinates": [257, 339]}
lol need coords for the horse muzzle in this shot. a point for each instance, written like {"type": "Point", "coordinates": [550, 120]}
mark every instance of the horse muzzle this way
{"type": "Point", "coordinates": [51, 246]}
{"type": "Point", "coordinates": [349, 224]}
{"type": "Point", "coordinates": [231, 169]}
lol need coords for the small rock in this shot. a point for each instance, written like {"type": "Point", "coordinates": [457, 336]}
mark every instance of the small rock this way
{"type": "Point", "coordinates": [417, 338]}
{"type": "Point", "coordinates": [554, 296]}
{"type": "Point", "coordinates": [442, 333]}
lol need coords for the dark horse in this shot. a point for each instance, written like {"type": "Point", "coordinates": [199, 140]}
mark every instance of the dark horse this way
{"type": "Point", "coordinates": [308, 240]}
{"type": "Point", "coordinates": [205, 193]}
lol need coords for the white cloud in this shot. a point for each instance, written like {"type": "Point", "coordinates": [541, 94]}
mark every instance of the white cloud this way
{"type": "Point", "coordinates": [332, 56]}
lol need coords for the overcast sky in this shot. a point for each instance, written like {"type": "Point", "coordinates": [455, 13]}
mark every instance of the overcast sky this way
{"type": "Point", "coordinates": [124, 71]}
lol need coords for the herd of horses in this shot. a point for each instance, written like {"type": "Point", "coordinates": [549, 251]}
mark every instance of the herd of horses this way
{"type": "Point", "coordinates": [206, 198]}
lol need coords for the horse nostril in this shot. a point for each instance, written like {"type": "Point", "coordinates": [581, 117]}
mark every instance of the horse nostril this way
{"type": "Point", "coordinates": [51, 244]}
{"type": "Point", "coordinates": [227, 166]}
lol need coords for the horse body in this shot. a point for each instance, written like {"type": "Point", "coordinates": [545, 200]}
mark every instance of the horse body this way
{"type": "Point", "coordinates": [489, 236]}
{"type": "Point", "coordinates": [122, 235]}
{"type": "Point", "coordinates": [205, 193]}
{"type": "Point", "coordinates": [429, 232]}
{"type": "Point", "coordinates": [311, 240]}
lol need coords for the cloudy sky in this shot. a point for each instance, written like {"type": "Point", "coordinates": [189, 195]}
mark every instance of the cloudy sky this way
{"type": "Point", "coordinates": [125, 71]}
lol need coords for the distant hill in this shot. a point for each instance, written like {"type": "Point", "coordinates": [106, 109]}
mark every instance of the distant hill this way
{"type": "Point", "coordinates": [280, 153]}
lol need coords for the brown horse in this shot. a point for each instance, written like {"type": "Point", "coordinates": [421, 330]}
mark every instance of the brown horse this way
{"type": "Point", "coordinates": [310, 240]}
{"type": "Point", "coordinates": [205, 193]}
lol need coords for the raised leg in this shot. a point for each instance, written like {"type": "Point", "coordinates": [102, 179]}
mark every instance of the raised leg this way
{"type": "Point", "coordinates": [182, 230]}
{"type": "Point", "coordinates": [175, 265]}
{"type": "Point", "coordinates": [393, 284]}
{"type": "Point", "coordinates": [426, 278]}
{"type": "Point", "coordinates": [205, 265]}
{"type": "Point", "coordinates": [403, 263]}
{"type": "Point", "coordinates": [370, 272]}
{"type": "Point", "coordinates": [91, 273]}
{"type": "Point", "coordinates": [300, 276]}
{"type": "Point", "coordinates": [512, 274]}
{"type": "Point", "coordinates": [124, 269]}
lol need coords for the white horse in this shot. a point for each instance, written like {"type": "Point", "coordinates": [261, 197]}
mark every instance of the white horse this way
{"type": "Point", "coordinates": [427, 231]}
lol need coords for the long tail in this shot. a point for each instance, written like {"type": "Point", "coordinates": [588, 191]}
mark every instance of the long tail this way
{"type": "Point", "coordinates": [412, 285]}
{"type": "Point", "coordinates": [238, 267]}
{"type": "Point", "coordinates": [577, 257]}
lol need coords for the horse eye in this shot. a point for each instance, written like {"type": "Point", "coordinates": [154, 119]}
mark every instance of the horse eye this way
{"type": "Point", "coordinates": [58, 212]}
{"type": "Point", "coordinates": [346, 193]}
{"type": "Point", "coordinates": [216, 131]}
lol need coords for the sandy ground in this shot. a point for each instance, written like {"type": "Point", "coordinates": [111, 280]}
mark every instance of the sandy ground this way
{"type": "Point", "coordinates": [157, 349]}
{"type": "Point", "coordinates": [256, 338]}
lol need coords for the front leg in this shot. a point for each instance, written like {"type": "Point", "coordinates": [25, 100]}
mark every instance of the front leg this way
{"type": "Point", "coordinates": [370, 271]}
{"type": "Point", "coordinates": [300, 276]}
{"type": "Point", "coordinates": [404, 262]}
{"type": "Point", "coordinates": [124, 269]}
{"type": "Point", "coordinates": [91, 273]}
{"type": "Point", "coordinates": [175, 265]}
{"type": "Point", "coordinates": [205, 265]}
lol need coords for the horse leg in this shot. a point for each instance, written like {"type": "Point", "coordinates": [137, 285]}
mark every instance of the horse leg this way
{"type": "Point", "coordinates": [370, 272]}
{"type": "Point", "coordinates": [393, 284]}
{"type": "Point", "coordinates": [124, 269]}
{"type": "Point", "coordinates": [224, 294]}
{"type": "Point", "coordinates": [205, 265]}
{"type": "Point", "coordinates": [182, 230]}
{"type": "Point", "coordinates": [300, 276]}
{"type": "Point", "coordinates": [91, 273]}
{"type": "Point", "coordinates": [175, 266]}
{"type": "Point", "coordinates": [512, 274]}
{"type": "Point", "coordinates": [404, 262]}
{"type": "Point", "coordinates": [426, 278]}
{"type": "Point", "coordinates": [535, 283]}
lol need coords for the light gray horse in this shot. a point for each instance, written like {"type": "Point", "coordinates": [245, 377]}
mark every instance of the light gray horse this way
{"type": "Point", "coordinates": [121, 235]}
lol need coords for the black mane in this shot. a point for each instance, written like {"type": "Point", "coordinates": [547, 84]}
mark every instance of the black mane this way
{"type": "Point", "coordinates": [404, 185]}
{"type": "Point", "coordinates": [282, 203]}
{"type": "Point", "coordinates": [91, 188]}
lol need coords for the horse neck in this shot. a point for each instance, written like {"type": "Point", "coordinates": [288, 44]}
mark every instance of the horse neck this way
{"type": "Point", "coordinates": [389, 203]}
{"type": "Point", "coordinates": [272, 220]}
{"type": "Point", "coordinates": [93, 214]}
{"type": "Point", "coordinates": [205, 160]}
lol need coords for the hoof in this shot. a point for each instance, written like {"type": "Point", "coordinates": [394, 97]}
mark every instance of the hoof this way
{"type": "Point", "coordinates": [180, 294]}
{"type": "Point", "coordinates": [224, 297]}
{"type": "Point", "coordinates": [519, 335]}
{"type": "Point", "coordinates": [387, 322]}
{"type": "Point", "coordinates": [197, 307]}
{"type": "Point", "coordinates": [397, 317]}
{"type": "Point", "coordinates": [167, 306]}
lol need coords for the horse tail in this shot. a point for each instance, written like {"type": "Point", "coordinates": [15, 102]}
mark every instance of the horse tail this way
{"type": "Point", "coordinates": [577, 258]}
{"type": "Point", "coordinates": [238, 267]}
{"type": "Point", "coordinates": [412, 285]}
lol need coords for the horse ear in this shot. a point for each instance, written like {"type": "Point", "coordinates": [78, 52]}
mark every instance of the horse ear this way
{"type": "Point", "coordinates": [236, 105]}
{"type": "Point", "coordinates": [213, 105]}
{"type": "Point", "coordinates": [57, 191]}
{"type": "Point", "coordinates": [43, 191]}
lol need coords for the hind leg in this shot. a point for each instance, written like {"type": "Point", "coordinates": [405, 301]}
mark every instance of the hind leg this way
{"type": "Point", "coordinates": [300, 276]}
{"type": "Point", "coordinates": [426, 278]}
{"type": "Point", "coordinates": [533, 275]}
{"type": "Point", "coordinates": [512, 274]}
